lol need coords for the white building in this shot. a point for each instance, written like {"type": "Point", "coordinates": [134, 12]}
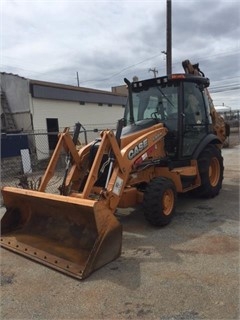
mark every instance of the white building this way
{"type": "Point", "coordinates": [30, 105]}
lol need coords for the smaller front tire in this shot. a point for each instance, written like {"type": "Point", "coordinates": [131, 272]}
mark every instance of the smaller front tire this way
{"type": "Point", "coordinates": [159, 201]}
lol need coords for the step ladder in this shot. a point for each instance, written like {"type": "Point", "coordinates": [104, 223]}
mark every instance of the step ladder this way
{"type": "Point", "coordinates": [10, 124]}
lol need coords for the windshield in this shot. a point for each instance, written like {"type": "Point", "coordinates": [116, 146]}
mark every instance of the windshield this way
{"type": "Point", "coordinates": [159, 102]}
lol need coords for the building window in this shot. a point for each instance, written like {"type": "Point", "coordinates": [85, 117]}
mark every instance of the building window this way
{"type": "Point", "coordinates": [82, 103]}
{"type": "Point", "coordinates": [100, 104]}
{"type": "Point", "coordinates": [110, 105]}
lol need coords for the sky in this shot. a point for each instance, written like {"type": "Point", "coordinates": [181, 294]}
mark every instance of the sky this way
{"type": "Point", "coordinates": [104, 41]}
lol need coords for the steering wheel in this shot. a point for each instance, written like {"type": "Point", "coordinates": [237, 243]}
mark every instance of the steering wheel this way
{"type": "Point", "coordinates": [155, 115]}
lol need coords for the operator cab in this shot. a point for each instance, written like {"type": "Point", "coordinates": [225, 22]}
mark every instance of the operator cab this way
{"type": "Point", "coordinates": [177, 101]}
{"type": "Point", "coordinates": [153, 104]}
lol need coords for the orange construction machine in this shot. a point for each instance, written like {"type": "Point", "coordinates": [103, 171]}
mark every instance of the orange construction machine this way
{"type": "Point", "coordinates": [168, 142]}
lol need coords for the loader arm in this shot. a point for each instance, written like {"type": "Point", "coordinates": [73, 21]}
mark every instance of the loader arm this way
{"type": "Point", "coordinates": [64, 141]}
{"type": "Point", "coordinates": [126, 159]}
{"type": "Point", "coordinates": [108, 145]}
{"type": "Point", "coordinates": [219, 126]}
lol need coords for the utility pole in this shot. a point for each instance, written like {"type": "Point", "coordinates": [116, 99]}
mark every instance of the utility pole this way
{"type": "Point", "coordinates": [169, 37]}
{"type": "Point", "coordinates": [77, 79]}
{"type": "Point", "coordinates": [155, 71]}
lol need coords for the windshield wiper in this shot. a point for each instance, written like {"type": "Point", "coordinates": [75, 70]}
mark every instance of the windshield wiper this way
{"type": "Point", "coordinates": [163, 94]}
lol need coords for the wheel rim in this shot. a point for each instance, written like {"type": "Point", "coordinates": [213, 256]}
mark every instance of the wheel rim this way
{"type": "Point", "coordinates": [214, 172]}
{"type": "Point", "coordinates": [168, 202]}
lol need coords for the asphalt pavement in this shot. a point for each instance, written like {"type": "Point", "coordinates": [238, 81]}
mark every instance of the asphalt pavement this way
{"type": "Point", "coordinates": [187, 270]}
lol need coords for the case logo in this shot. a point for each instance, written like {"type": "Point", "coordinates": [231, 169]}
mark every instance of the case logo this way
{"type": "Point", "coordinates": [137, 149]}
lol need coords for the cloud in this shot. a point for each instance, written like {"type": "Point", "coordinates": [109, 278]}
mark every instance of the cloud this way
{"type": "Point", "coordinates": [105, 41]}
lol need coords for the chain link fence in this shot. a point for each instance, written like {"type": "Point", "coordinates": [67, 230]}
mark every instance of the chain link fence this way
{"type": "Point", "coordinates": [25, 169]}
{"type": "Point", "coordinates": [232, 118]}
{"type": "Point", "coordinates": [25, 156]}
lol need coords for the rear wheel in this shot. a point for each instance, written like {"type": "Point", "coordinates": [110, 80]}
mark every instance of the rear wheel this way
{"type": "Point", "coordinates": [210, 166]}
{"type": "Point", "coordinates": [159, 201]}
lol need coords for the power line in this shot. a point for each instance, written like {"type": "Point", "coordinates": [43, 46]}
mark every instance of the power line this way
{"type": "Point", "coordinates": [124, 69]}
{"type": "Point", "coordinates": [226, 53]}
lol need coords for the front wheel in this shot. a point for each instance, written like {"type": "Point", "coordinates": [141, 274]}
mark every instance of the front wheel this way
{"type": "Point", "coordinates": [210, 166]}
{"type": "Point", "coordinates": [159, 201]}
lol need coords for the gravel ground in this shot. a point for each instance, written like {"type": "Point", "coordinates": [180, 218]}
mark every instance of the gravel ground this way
{"type": "Point", "coordinates": [187, 270]}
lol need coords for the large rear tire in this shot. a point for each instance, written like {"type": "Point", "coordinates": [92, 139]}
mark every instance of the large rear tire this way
{"type": "Point", "coordinates": [210, 166]}
{"type": "Point", "coordinates": [159, 201]}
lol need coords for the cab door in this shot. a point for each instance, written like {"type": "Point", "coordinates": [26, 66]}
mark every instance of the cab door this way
{"type": "Point", "coordinates": [195, 118]}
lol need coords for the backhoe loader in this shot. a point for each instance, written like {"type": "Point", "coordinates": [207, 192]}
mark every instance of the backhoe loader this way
{"type": "Point", "coordinates": [168, 142]}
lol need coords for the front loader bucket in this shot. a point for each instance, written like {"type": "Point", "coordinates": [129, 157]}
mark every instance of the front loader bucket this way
{"type": "Point", "coordinates": [73, 235]}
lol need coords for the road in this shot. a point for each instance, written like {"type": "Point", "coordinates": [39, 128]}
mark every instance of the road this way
{"type": "Point", "coordinates": [187, 270]}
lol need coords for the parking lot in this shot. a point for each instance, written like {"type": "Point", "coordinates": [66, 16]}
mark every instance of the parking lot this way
{"type": "Point", "coordinates": [187, 270]}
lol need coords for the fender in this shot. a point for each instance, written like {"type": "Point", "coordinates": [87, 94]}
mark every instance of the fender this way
{"type": "Point", "coordinates": [209, 139]}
